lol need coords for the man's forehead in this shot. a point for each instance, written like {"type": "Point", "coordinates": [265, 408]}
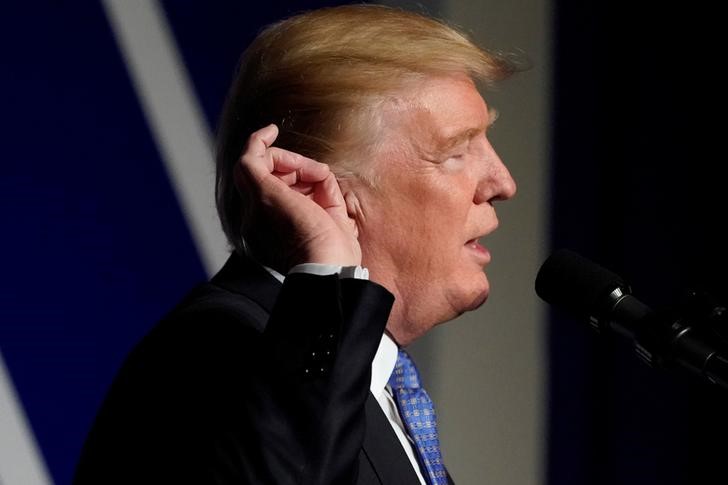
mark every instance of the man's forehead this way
{"type": "Point", "coordinates": [439, 116]}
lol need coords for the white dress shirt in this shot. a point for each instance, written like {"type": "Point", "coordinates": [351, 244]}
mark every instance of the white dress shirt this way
{"type": "Point", "coordinates": [382, 365]}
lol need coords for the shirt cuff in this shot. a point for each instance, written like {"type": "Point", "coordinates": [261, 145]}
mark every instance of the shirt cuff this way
{"type": "Point", "coordinates": [357, 272]}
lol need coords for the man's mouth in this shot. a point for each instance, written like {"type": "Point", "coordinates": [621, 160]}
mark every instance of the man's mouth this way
{"type": "Point", "coordinates": [480, 251]}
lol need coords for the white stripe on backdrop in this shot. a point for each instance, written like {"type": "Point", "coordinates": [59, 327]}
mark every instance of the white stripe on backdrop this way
{"type": "Point", "coordinates": [175, 118]}
{"type": "Point", "coordinates": [21, 462]}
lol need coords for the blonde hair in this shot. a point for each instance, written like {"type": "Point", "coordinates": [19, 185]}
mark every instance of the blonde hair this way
{"type": "Point", "coordinates": [320, 76]}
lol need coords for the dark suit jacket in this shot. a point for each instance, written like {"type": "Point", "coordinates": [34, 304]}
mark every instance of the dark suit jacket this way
{"type": "Point", "coordinates": [251, 381]}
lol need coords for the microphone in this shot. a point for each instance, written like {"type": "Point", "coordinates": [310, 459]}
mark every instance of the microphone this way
{"type": "Point", "coordinates": [594, 294]}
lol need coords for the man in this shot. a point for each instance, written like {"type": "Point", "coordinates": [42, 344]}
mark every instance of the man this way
{"type": "Point", "coordinates": [353, 159]}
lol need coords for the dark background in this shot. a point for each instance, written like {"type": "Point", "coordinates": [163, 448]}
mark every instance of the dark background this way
{"type": "Point", "coordinates": [638, 185]}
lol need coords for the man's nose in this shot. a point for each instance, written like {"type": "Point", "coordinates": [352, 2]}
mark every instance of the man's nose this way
{"type": "Point", "coordinates": [496, 182]}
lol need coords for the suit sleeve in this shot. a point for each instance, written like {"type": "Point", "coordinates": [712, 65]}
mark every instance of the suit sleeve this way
{"type": "Point", "coordinates": [212, 398]}
{"type": "Point", "coordinates": [320, 352]}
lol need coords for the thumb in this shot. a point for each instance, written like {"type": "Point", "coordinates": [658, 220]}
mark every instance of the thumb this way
{"type": "Point", "coordinates": [327, 194]}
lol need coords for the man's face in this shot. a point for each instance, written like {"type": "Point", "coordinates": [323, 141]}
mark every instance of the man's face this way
{"type": "Point", "coordinates": [438, 177]}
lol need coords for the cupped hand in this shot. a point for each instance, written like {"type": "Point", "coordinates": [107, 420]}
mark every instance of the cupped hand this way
{"type": "Point", "coordinates": [301, 200]}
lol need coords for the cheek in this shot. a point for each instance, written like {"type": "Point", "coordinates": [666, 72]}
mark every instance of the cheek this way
{"type": "Point", "coordinates": [446, 214]}
{"type": "Point", "coordinates": [422, 224]}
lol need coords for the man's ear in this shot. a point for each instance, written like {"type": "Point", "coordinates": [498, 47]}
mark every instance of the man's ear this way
{"type": "Point", "coordinates": [349, 190]}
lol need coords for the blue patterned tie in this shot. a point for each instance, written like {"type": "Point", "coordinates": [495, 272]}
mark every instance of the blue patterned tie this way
{"type": "Point", "coordinates": [418, 414]}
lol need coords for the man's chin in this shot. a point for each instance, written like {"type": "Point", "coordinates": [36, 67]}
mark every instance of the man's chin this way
{"type": "Point", "coordinates": [471, 302]}
{"type": "Point", "coordinates": [478, 293]}
{"type": "Point", "coordinates": [477, 301]}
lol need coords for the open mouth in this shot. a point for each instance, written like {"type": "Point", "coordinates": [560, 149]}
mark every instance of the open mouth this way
{"type": "Point", "coordinates": [480, 251]}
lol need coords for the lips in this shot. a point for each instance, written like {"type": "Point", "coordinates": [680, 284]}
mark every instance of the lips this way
{"type": "Point", "coordinates": [480, 252]}
{"type": "Point", "coordinates": [484, 232]}
{"type": "Point", "coordinates": [474, 244]}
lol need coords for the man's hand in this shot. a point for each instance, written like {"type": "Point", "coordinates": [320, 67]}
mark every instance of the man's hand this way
{"type": "Point", "coordinates": [299, 201]}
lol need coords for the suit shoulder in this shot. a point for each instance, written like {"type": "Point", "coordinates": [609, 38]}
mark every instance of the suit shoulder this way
{"type": "Point", "coordinates": [210, 322]}
{"type": "Point", "coordinates": [211, 303]}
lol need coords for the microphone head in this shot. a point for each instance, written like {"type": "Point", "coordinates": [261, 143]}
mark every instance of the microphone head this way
{"type": "Point", "coordinates": [569, 280]}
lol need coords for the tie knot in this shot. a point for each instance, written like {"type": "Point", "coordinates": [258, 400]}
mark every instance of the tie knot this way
{"type": "Point", "coordinates": [404, 375]}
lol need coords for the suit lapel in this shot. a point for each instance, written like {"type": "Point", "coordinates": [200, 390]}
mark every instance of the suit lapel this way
{"type": "Point", "coordinates": [383, 449]}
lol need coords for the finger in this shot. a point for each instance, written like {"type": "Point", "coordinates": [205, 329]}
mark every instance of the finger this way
{"type": "Point", "coordinates": [259, 141]}
{"type": "Point", "coordinates": [254, 160]}
{"type": "Point", "coordinates": [280, 162]}
{"type": "Point", "coordinates": [289, 178]}
{"type": "Point", "coordinates": [304, 188]}
{"type": "Point", "coordinates": [328, 195]}
{"type": "Point", "coordinates": [293, 181]}
{"type": "Point", "coordinates": [306, 169]}
{"type": "Point", "coordinates": [302, 176]}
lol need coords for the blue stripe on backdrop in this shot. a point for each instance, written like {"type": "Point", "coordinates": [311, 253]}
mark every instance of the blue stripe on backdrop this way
{"type": "Point", "coordinates": [95, 248]}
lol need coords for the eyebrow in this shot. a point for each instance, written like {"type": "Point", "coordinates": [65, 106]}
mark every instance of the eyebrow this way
{"type": "Point", "coordinates": [446, 143]}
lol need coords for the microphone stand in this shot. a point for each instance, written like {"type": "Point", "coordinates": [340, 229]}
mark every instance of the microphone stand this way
{"type": "Point", "coordinates": [693, 338]}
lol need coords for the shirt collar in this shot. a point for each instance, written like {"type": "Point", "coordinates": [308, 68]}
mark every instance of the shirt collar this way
{"type": "Point", "coordinates": [383, 364]}
{"type": "Point", "coordinates": [274, 273]}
